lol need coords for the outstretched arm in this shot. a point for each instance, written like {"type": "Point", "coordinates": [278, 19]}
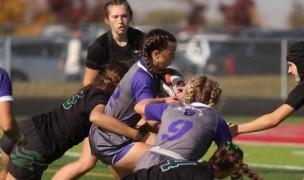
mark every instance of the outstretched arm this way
{"type": "Point", "coordinates": [140, 107]}
{"type": "Point", "coordinates": [102, 120]}
{"type": "Point", "coordinates": [264, 122]}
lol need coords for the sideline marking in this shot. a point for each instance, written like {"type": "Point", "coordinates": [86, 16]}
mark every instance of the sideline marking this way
{"type": "Point", "coordinates": [72, 154]}
{"type": "Point", "coordinates": [87, 174]}
{"type": "Point", "coordinates": [269, 166]}
{"type": "Point", "coordinates": [298, 153]}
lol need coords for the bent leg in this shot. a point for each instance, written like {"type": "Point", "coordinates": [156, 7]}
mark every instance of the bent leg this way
{"type": "Point", "coordinates": [5, 161]}
{"type": "Point", "coordinates": [10, 177]}
{"type": "Point", "coordinates": [78, 168]}
{"type": "Point", "coordinates": [128, 162]}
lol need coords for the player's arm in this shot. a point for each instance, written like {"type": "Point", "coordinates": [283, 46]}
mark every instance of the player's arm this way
{"type": "Point", "coordinates": [89, 76]}
{"type": "Point", "coordinates": [264, 122]}
{"type": "Point", "coordinates": [140, 107]}
{"type": "Point", "coordinates": [8, 124]}
{"type": "Point", "coordinates": [102, 120]}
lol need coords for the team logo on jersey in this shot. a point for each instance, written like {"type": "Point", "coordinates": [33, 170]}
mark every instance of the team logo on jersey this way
{"type": "Point", "coordinates": [69, 103]}
{"type": "Point", "coordinates": [174, 163]}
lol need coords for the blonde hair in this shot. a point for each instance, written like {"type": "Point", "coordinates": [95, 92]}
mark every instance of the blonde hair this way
{"type": "Point", "coordinates": [203, 89]}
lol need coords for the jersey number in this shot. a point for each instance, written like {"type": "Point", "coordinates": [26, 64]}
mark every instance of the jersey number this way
{"type": "Point", "coordinates": [69, 103]}
{"type": "Point", "coordinates": [177, 129]}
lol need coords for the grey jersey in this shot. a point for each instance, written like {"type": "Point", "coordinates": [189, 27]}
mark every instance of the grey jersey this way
{"type": "Point", "coordinates": [186, 131]}
{"type": "Point", "coordinates": [136, 85]}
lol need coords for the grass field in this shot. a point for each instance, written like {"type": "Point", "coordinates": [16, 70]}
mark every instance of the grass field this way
{"type": "Point", "coordinates": [271, 162]}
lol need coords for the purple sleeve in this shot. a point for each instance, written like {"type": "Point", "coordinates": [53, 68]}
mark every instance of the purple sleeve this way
{"type": "Point", "coordinates": [142, 86]}
{"type": "Point", "coordinates": [6, 86]}
{"type": "Point", "coordinates": [155, 111]}
{"type": "Point", "coordinates": [222, 132]}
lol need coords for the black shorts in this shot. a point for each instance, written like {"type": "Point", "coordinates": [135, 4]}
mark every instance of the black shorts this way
{"type": "Point", "coordinates": [27, 161]}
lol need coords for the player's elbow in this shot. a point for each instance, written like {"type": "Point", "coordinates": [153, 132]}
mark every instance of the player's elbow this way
{"type": "Point", "coordinates": [94, 117]}
{"type": "Point", "coordinates": [7, 126]}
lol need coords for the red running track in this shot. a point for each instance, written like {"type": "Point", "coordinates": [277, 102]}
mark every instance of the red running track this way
{"type": "Point", "coordinates": [282, 134]}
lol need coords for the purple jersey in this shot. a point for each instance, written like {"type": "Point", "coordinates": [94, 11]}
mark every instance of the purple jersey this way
{"type": "Point", "coordinates": [136, 85]}
{"type": "Point", "coordinates": [6, 86]}
{"type": "Point", "coordinates": [186, 132]}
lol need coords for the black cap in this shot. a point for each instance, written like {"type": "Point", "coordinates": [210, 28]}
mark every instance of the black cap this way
{"type": "Point", "coordinates": [296, 56]}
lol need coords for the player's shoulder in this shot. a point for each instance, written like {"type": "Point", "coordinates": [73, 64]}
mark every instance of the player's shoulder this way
{"type": "Point", "coordinates": [3, 73]}
{"type": "Point", "coordinates": [105, 37]}
{"type": "Point", "coordinates": [4, 77]}
{"type": "Point", "coordinates": [133, 32]}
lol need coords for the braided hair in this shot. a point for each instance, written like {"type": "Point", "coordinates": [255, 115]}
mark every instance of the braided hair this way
{"type": "Point", "coordinates": [203, 89]}
{"type": "Point", "coordinates": [156, 39]}
{"type": "Point", "coordinates": [296, 55]}
{"type": "Point", "coordinates": [229, 158]}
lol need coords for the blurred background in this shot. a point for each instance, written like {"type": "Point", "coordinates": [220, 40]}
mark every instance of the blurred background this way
{"type": "Point", "coordinates": [242, 43]}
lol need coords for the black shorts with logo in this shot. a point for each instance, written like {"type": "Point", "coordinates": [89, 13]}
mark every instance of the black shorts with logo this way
{"type": "Point", "coordinates": [27, 161]}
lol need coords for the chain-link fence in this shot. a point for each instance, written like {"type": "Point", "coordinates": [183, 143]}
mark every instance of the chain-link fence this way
{"type": "Point", "coordinates": [245, 67]}
{"type": "Point", "coordinates": [252, 66]}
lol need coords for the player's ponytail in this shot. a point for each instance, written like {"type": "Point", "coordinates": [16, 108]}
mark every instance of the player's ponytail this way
{"type": "Point", "coordinates": [228, 159]}
{"type": "Point", "coordinates": [108, 81]}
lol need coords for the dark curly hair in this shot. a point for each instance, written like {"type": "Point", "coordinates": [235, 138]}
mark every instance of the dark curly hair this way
{"type": "Point", "coordinates": [229, 158]}
{"type": "Point", "coordinates": [110, 78]}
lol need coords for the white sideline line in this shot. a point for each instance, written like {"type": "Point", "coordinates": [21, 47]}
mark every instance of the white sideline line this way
{"type": "Point", "coordinates": [268, 166]}
{"type": "Point", "coordinates": [72, 154]}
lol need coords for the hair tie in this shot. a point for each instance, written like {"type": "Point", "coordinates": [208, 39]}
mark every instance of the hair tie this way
{"type": "Point", "coordinates": [231, 145]}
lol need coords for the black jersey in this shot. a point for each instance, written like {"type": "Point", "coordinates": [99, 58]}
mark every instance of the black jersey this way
{"type": "Point", "coordinates": [174, 170]}
{"type": "Point", "coordinates": [296, 97]}
{"type": "Point", "coordinates": [105, 49]}
{"type": "Point", "coordinates": [69, 124]}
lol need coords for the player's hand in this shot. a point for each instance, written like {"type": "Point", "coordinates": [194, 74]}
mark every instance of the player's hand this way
{"type": "Point", "coordinates": [233, 129]}
{"type": "Point", "coordinates": [171, 99]}
{"type": "Point", "coordinates": [137, 136]}
{"type": "Point", "coordinates": [182, 90]}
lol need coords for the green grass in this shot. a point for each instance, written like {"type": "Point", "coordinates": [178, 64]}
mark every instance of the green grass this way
{"type": "Point", "coordinates": [271, 162]}
{"type": "Point", "coordinates": [275, 159]}
{"type": "Point", "coordinates": [240, 119]}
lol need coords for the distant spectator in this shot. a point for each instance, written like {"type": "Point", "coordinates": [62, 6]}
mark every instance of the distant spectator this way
{"type": "Point", "coordinates": [72, 64]}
